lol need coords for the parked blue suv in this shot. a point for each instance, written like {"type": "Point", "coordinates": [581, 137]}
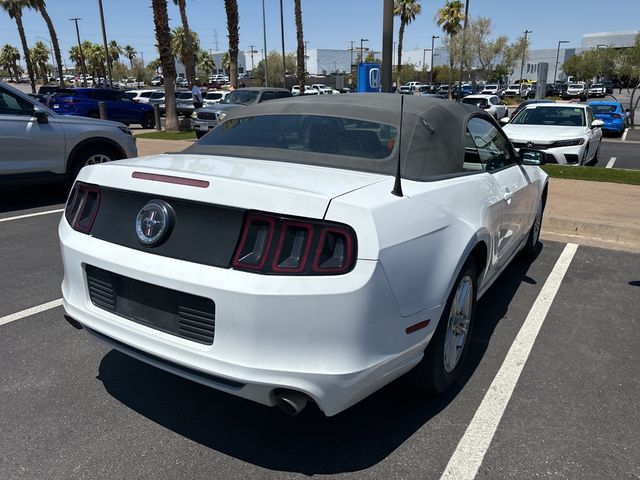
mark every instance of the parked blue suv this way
{"type": "Point", "coordinates": [611, 114]}
{"type": "Point", "coordinates": [84, 102]}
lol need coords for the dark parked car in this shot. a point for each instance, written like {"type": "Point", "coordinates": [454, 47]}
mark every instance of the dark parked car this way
{"type": "Point", "coordinates": [84, 102]}
{"type": "Point", "coordinates": [556, 89]}
{"type": "Point", "coordinates": [529, 102]}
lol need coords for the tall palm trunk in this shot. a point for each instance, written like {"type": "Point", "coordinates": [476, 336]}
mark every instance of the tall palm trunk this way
{"type": "Point", "coordinates": [231, 6]}
{"type": "Point", "coordinates": [25, 49]}
{"type": "Point", "coordinates": [300, 70]}
{"type": "Point", "coordinates": [54, 40]}
{"type": "Point", "coordinates": [189, 62]}
{"type": "Point", "coordinates": [400, 40]}
{"type": "Point", "coordinates": [163, 37]}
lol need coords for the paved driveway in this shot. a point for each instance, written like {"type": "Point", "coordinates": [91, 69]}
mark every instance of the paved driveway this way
{"type": "Point", "coordinates": [72, 408]}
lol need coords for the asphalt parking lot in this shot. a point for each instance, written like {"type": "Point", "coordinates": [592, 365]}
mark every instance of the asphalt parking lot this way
{"type": "Point", "coordinates": [72, 408]}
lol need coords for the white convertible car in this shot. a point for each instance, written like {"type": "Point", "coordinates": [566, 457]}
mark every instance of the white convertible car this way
{"type": "Point", "coordinates": [305, 250]}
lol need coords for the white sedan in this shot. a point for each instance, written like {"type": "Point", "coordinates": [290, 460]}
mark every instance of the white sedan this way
{"type": "Point", "coordinates": [566, 133]}
{"type": "Point", "coordinates": [491, 103]}
{"type": "Point", "coordinates": [307, 250]}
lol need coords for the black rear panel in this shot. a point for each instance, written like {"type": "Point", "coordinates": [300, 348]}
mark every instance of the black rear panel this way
{"type": "Point", "coordinates": [203, 233]}
{"type": "Point", "coordinates": [178, 313]}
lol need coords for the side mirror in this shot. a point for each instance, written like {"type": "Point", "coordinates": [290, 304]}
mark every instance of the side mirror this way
{"type": "Point", "coordinates": [530, 156]}
{"type": "Point", "coordinates": [42, 116]}
{"type": "Point", "coordinates": [504, 120]}
{"type": "Point", "coordinates": [597, 123]}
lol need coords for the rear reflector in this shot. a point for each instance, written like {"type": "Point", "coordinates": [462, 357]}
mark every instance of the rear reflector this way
{"type": "Point", "coordinates": [417, 326]}
{"type": "Point", "coordinates": [192, 182]}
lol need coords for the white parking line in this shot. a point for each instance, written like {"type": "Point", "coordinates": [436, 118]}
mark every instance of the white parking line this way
{"type": "Point", "coordinates": [30, 311]}
{"type": "Point", "coordinates": [31, 215]}
{"type": "Point", "coordinates": [473, 446]}
{"type": "Point", "coordinates": [611, 162]}
{"type": "Point", "coordinates": [624, 135]}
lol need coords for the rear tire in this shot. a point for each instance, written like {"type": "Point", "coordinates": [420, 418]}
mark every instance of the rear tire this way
{"type": "Point", "coordinates": [199, 134]}
{"type": "Point", "coordinates": [444, 357]}
{"type": "Point", "coordinates": [148, 121]}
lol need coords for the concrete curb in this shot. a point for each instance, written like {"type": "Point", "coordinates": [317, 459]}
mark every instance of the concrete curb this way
{"type": "Point", "coordinates": [627, 237]}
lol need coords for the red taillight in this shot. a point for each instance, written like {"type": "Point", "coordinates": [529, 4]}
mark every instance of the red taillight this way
{"type": "Point", "coordinates": [276, 245]}
{"type": "Point", "coordinates": [82, 206]}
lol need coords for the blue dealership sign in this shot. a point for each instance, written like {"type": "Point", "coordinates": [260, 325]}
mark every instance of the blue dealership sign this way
{"type": "Point", "coordinates": [369, 77]}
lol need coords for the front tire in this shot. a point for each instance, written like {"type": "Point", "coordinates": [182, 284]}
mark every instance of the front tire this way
{"type": "Point", "coordinates": [91, 155]}
{"type": "Point", "coordinates": [444, 357]}
{"type": "Point", "coordinates": [533, 240]}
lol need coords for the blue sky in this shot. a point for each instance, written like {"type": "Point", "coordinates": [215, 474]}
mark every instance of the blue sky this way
{"type": "Point", "coordinates": [327, 23]}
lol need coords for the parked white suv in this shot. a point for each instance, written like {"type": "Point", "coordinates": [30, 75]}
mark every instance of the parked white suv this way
{"type": "Point", "coordinates": [140, 96]}
{"type": "Point", "coordinates": [491, 103]}
{"type": "Point", "coordinates": [40, 145]}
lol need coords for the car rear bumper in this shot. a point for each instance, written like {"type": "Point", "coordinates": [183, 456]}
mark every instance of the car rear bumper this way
{"type": "Point", "coordinates": [335, 338]}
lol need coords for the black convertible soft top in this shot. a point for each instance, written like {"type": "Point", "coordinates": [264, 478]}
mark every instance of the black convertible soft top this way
{"type": "Point", "coordinates": [433, 132]}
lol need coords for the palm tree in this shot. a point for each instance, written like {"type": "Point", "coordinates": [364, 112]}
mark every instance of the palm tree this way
{"type": "Point", "coordinates": [205, 64]}
{"type": "Point", "coordinates": [115, 51]}
{"type": "Point", "coordinates": [40, 58]}
{"type": "Point", "coordinates": [407, 10]}
{"type": "Point", "coordinates": [188, 60]}
{"type": "Point", "coordinates": [40, 6]}
{"type": "Point", "coordinates": [231, 7]}
{"type": "Point", "coordinates": [450, 18]}
{"type": "Point", "coordinates": [300, 70]}
{"type": "Point", "coordinates": [14, 9]}
{"type": "Point", "coordinates": [9, 57]}
{"type": "Point", "coordinates": [181, 46]}
{"type": "Point", "coordinates": [225, 62]}
{"type": "Point", "coordinates": [163, 37]}
{"type": "Point", "coordinates": [130, 53]}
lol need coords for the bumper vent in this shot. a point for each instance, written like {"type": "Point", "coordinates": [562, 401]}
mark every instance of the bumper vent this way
{"type": "Point", "coordinates": [207, 116]}
{"type": "Point", "coordinates": [177, 313]}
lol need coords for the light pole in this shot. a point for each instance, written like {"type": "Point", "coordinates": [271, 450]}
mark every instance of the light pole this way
{"type": "Point", "coordinates": [433, 38]}
{"type": "Point", "coordinates": [284, 64]}
{"type": "Point", "coordinates": [264, 32]}
{"type": "Point", "coordinates": [251, 52]}
{"type": "Point", "coordinates": [362, 40]}
{"type": "Point", "coordinates": [83, 68]}
{"type": "Point", "coordinates": [351, 64]}
{"type": "Point", "coordinates": [555, 73]}
{"type": "Point", "coordinates": [424, 50]}
{"type": "Point", "coordinates": [104, 41]}
{"type": "Point", "coordinates": [601, 63]}
{"type": "Point", "coordinates": [464, 40]}
{"type": "Point", "coordinates": [526, 33]}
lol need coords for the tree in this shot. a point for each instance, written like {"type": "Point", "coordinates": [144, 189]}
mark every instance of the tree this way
{"type": "Point", "coordinates": [513, 54]}
{"type": "Point", "coordinates": [225, 62]}
{"type": "Point", "coordinates": [41, 7]}
{"type": "Point", "coordinates": [407, 10]}
{"type": "Point", "coordinates": [14, 9]}
{"type": "Point", "coordinates": [115, 51]}
{"type": "Point", "coordinates": [9, 58]}
{"type": "Point", "coordinates": [163, 39]}
{"type": "Point", "coordinates": [300, 53]}
{"type": "Point", "coordinates": [191, 43]}
{"type": "Point", "coordinates": [205, 66]}
{"type": "Point", "coordinates": [231, 7]}
{"type": "Point", "coordinates": [449, 18]}
{"type": "Point", "coordinates": [484, 51]}
{"type": "Point", "coordinates": [40, 58]}
{"type": "Point", "coordinates": [130, 53]}
{"type": "Point", "coordinates": [184, 47]}
{"type": "Point", "coordinates": [274, 62]}
{"type": "Point", "coordinates": [629, 66]}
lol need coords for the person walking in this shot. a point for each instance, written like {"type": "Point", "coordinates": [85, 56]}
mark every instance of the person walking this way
{"type": "Point", "coordinates": [627, 118]}
{"type": "Point", "coordinates": [197, 95]}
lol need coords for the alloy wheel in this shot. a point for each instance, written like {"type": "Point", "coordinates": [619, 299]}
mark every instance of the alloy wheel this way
{"type": "Point", "coordinates": [458, 323]}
